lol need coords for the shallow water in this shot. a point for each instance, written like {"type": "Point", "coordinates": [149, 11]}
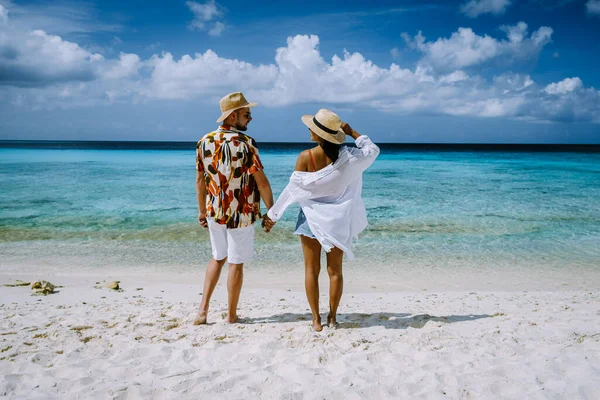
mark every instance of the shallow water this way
{"type": "Point", "coordinates": [426, 208]}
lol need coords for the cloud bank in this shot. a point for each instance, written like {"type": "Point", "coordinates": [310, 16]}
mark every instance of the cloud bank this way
{"type": "Point", "coordinates": [39, 70]}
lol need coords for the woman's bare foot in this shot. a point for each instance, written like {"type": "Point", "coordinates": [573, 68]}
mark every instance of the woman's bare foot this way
{"type": "Point", "coordinates": [331, 322]}
{"type": "Point", "coordinates": [233, 319]}
{"type": "Point", "coordinates": [316, 324]}
{"type": "Point", "coordinates": [200, 318]}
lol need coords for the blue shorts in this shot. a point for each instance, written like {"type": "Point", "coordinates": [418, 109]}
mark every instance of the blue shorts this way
{"type": "Point", "coordinates": [302, 227]}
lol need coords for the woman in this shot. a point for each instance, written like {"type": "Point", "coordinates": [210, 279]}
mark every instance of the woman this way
{"type": "Point", "coordinates": [327, 183]}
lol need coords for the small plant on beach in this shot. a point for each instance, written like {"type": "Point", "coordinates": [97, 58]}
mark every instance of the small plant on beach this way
{"type": "Point", "coordinates": [172, 326]}
{"type": "Point", "coordinates": [81, 328]}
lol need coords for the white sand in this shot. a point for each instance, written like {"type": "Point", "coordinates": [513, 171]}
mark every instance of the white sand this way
{"type": "Point", "coordinates": [95, 343]}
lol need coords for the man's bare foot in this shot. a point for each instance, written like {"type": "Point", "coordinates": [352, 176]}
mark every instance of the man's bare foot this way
{"type": "Point", "coordinates": [200, 318]}
{"type": "Point", "coordinates": [316, 324]}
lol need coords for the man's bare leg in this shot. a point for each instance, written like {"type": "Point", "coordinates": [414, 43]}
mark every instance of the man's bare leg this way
{"type": "Point", "coordinates": [213, 272]}
{"type": "Point", "coordinates": [336, 283]}
{"type": "Point", "coordinates": [235, 279]}
{"type": "Point", "coordinates": [311, 248]}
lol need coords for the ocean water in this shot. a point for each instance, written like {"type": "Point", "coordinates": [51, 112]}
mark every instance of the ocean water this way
{"type": "Point", "coordinates": [114, 205]}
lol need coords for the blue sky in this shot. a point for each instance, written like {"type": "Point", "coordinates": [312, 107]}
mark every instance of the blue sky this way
{"type": "Point", "coordinates": [477, 71]}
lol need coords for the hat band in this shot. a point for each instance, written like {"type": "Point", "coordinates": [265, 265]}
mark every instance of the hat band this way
{"type": "Point", "coordinates": [326, 129]}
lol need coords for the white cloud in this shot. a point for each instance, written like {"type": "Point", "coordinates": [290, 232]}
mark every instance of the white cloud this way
{"type": "Point", "coordinates": [509, 82]}
{"type": "Point", "coordinates": [565, 86]}
{"type": "Point", "coordinates": [37, 58]}
{"type": "Point", "coordinates": [127, 66]}
{"type": "Point", "coordinates": [395, 53]}
{"type": "Point", "coordinates": [456, 76]}
{"type": "Point", "coordinates": [3, 14]}
{"type": "Point", "coordinates": [202, 75]}
{"type": "Point", "coordinates": [217, 29]}
{"type": "Point", "coordinates": [593, 7]}
{"type": "Point", "coordinates": [304, 76]}
{"type": "Point", "coordinates": [465, 48]}
{"type": "Point", "coordinates": [475, 8]}
{"type": "Point", "coordinates": [204, 13]}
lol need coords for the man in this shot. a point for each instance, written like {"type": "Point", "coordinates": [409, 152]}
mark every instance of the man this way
{"type": "Point", "coordinates": [230, 182]}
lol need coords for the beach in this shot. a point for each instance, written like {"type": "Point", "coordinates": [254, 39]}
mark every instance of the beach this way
{"type": "Point", "coordinates": [446, 153]}
{"type": "Point", "coordinates": [88, 341]}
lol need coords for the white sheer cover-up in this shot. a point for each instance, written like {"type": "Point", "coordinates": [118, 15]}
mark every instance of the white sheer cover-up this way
{"type": "Point", "coordinates": [331, 197]}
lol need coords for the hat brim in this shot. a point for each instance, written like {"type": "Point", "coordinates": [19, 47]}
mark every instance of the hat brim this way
{"type": "Point", "coordinates": [226, 113]}
{"type": "Point", "coordinates": [338, 138]}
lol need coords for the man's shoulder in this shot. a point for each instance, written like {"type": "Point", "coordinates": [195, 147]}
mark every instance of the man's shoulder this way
{"type": "Point", "coordinates": [239, 139]}
{"type": "Point", "coordinates": [242, 137]}
{"type": "Point", "coordinates": [210, 137]}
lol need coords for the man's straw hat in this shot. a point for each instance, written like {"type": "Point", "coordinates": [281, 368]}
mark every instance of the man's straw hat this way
{"type": "Point", "coordinates": [327, 125]}
{"type": "Point", "coordinates": [232, 102]}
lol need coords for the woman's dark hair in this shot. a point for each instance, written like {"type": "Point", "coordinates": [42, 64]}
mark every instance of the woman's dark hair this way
{"type": "Point", "coordinates": [331, 150]}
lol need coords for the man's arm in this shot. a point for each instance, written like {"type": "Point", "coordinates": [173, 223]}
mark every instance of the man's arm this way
{"type": "Point", "coordinates": [266, 194]}
{"type": "Point", "coordinates": [201, 195]}
{"type": "Point", "coordinates": [264, 187]}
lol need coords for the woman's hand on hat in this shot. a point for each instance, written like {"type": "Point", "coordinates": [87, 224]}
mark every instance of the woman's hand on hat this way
{"type": "Point", "coordinates": [346, 128]}
{"type": "Point", "coordinates": [349, 131]}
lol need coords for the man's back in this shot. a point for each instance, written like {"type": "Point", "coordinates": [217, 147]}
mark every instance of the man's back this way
{"type": "Point", "coordinates": [228, 159]}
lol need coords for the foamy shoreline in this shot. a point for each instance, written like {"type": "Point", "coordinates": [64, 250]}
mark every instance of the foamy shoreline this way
{"type": "Point", "coordinates": [84, 342]}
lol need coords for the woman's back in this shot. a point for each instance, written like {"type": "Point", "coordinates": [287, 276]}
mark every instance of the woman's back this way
{"type": "Point", "coordinates": [312, 160]}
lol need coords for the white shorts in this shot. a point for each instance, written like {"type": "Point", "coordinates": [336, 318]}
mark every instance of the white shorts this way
{"type": "Point", "coordinates": [236, 244]}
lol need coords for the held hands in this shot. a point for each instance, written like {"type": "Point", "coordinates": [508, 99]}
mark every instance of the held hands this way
{"type": "Point", "coordinates": [267, 223]}
{"type": "Point", "coordinates": [202, 219]}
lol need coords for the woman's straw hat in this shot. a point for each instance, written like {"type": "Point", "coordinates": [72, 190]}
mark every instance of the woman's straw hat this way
{"type": "Point", "coordinates": [327, 125]}
{"type": "Point", "coordinates": [232, 102]}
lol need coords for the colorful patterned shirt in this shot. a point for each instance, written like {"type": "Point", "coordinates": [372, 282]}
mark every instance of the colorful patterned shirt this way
{"type": "Point", "coordinates": [228, 159]}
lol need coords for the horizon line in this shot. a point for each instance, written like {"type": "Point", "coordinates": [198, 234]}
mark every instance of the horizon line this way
{"type": "Point", "coordinates": [305, 142]}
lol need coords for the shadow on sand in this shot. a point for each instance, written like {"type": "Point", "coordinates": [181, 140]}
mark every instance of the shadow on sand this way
{"type": "Point", "coordinates": [385, 319]}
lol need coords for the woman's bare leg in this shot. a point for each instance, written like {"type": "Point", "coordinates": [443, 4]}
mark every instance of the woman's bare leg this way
{"type": "Point", "coordinates": [311, 248]}
{"type": "Point", "coordinates": [336, 283]}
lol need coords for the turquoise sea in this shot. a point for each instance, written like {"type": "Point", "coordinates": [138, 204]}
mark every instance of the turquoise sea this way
{"type": "Point", "coordinates": [95, 205]}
